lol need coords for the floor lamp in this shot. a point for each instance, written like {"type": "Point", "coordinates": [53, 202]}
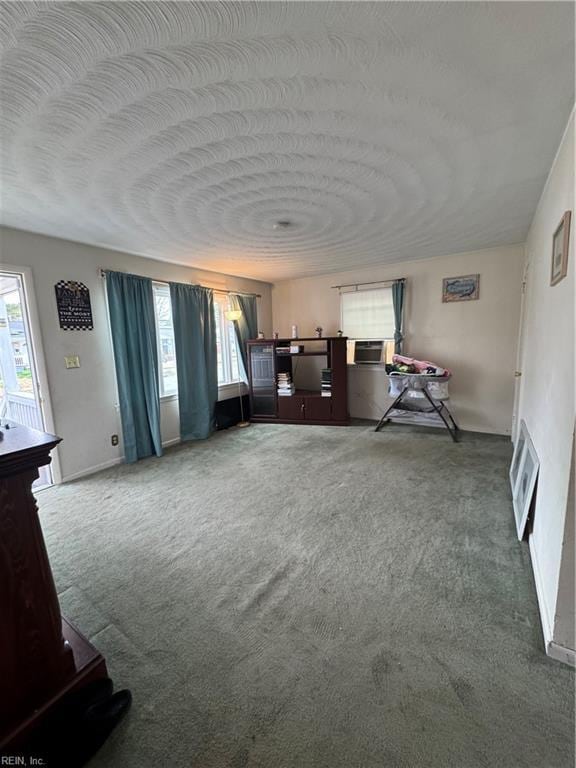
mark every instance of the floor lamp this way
{"type": "Point", "coordinates": [234, 315]}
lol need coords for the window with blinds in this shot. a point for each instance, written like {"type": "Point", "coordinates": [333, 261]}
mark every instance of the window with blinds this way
{"type": "Point", "coordinates": [368, 314]}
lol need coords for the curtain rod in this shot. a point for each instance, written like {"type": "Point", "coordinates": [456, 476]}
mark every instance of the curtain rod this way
{"type": "Point", "coordinates": [166, 282]}
{"type": "Point", "coordinates": [373, 282]}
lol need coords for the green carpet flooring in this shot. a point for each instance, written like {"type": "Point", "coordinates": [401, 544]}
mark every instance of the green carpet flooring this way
{"type": "Point", "coordinates": [298, 597]}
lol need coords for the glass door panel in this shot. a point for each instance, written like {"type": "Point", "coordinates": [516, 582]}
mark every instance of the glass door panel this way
{"type": "Point", "coordinates": [20, 401]}
{"type": "Point", "coordinates": [263, 380]}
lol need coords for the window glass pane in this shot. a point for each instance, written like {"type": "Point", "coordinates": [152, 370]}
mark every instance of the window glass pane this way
{"type": "Point", "coordinates": [165, 338]}
{"type": "Point", "coordinates": [16, 347]}
{"type": "Point", "coordinates": [218, 317]}
{"type": "Point", "coordinates": [228, 365]}
{"type": "Point", "coordinates": [234, 368]}
{"type": "Point", "coordinates": [368, 314]}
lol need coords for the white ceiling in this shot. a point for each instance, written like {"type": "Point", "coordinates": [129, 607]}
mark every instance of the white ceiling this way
{"type": "Point", "coordinates": [383, 131]}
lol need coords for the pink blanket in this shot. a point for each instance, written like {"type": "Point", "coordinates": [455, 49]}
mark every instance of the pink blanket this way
{"type": "Point", "coordinates": [420, 365]}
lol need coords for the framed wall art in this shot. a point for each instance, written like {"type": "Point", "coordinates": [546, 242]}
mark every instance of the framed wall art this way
{"type": "Point", "coordinates": [560, 243]}
{"type": "Point", "coordinates": [517, 457]}
{"type": "Point", "coordinates": [464, 288]}
{"type": "Point", "coordinates": [523, 475]}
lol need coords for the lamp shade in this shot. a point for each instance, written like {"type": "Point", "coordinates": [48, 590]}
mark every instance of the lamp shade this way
{"type": "Point", "coordinates": [233, 314]}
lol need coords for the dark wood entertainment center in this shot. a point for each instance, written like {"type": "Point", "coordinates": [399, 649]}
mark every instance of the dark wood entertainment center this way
{"type": "Point", "coordinates": [308, 406]}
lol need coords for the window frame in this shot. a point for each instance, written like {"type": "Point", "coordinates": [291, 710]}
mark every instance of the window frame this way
{"type": "Point", "coordinates": [225, 331]}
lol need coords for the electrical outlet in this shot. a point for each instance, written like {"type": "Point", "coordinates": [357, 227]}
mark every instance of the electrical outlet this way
{"type": "Point", "coordinates": [114, 439]}
{"type": "Point", "coordinates": [72, 361]}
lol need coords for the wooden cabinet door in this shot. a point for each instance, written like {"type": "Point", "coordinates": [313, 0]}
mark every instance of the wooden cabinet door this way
{"type": "Point", "coordinates": [262, 379]}
{"type": "Point", "coordinates": [291, 408]}
{"type": "Point", "coordinates": [318, 408]}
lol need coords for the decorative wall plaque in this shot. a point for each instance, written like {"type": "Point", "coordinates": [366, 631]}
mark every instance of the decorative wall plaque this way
{"type": "Point", "coordinates": [74, 308]}
{"type": "Point", "coordinates": [465, 288]}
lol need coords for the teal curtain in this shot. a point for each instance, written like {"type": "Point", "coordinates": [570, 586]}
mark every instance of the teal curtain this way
{"type": "Point", "coordinates": [131, 308]}
{"type": "Point", "coordinates": [398, 288]}
{"type": "Point", "coordinates": [196, 358]}
{"type": "Point", "coordinates": [247, 326]}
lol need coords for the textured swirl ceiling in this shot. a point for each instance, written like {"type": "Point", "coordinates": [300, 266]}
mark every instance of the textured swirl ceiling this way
{"type": "Point", "coordinates": [185, 131]}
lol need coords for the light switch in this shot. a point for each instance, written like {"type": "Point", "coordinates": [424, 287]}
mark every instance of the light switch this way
{"type": "Point", "coordinates": [72, 361]}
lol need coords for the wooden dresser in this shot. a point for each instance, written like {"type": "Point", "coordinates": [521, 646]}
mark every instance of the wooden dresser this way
{"type": "Point", "coordinates": [42, 656]}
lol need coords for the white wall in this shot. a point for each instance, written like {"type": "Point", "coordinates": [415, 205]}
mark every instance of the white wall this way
{"type": "Point", "coordinates": [84, 401]}
{"type": "Point", "coordinates": [565, 613]}
{"type": "Point", "coordinates": [546, 392]}
{"type": "Point", "coordinates": [476, 339]}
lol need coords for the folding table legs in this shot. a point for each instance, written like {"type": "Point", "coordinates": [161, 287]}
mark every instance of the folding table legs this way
{"type": "Point", "coordinates": [394, 404]}
{"type": "Point", "coordinates": [440, 410]}
{"type": "Point", "coordinates": [453, 430]}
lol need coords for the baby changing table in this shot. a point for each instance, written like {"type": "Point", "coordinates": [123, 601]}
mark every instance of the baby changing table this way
{"type": "Point", "coordinates": [420, 399]}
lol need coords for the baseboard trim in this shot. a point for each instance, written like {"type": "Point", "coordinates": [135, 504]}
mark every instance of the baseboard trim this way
{"type": "Point", "coordinates": [168, 443]}
{"type": "Point", "coordinates": [108, 464]}
{"type": "Point", "coordinates": [542, 605]}
{"type": "Point", "coordinates": [92, 470]}
{"type": "Point", "coordinates": [553, 650]}
{"type": "Point", "coordinates": [560, 653]}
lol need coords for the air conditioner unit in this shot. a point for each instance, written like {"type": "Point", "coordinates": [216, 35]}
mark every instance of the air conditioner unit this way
{"type": "Point", "coordinates": [368, 352]}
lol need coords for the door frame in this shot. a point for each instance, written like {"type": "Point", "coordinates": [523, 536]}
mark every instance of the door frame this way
{"type": "Point", "coordinates": [520, 348]}
{"type": "Point", "coordinates": [25, 273]}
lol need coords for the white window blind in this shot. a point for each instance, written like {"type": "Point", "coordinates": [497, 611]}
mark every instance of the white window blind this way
{"type": "Point", "coordinates": [368, 314]}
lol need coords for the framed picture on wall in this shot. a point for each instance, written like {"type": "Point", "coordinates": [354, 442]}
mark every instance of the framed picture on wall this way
{"type": "Point", "coordinates": [464, 288]}
{"type": "Point", "coordinates": [560, 242]}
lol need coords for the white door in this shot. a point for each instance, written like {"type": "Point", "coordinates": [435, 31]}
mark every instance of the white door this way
{"type": "Point", "coordinates": [20, 399]}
